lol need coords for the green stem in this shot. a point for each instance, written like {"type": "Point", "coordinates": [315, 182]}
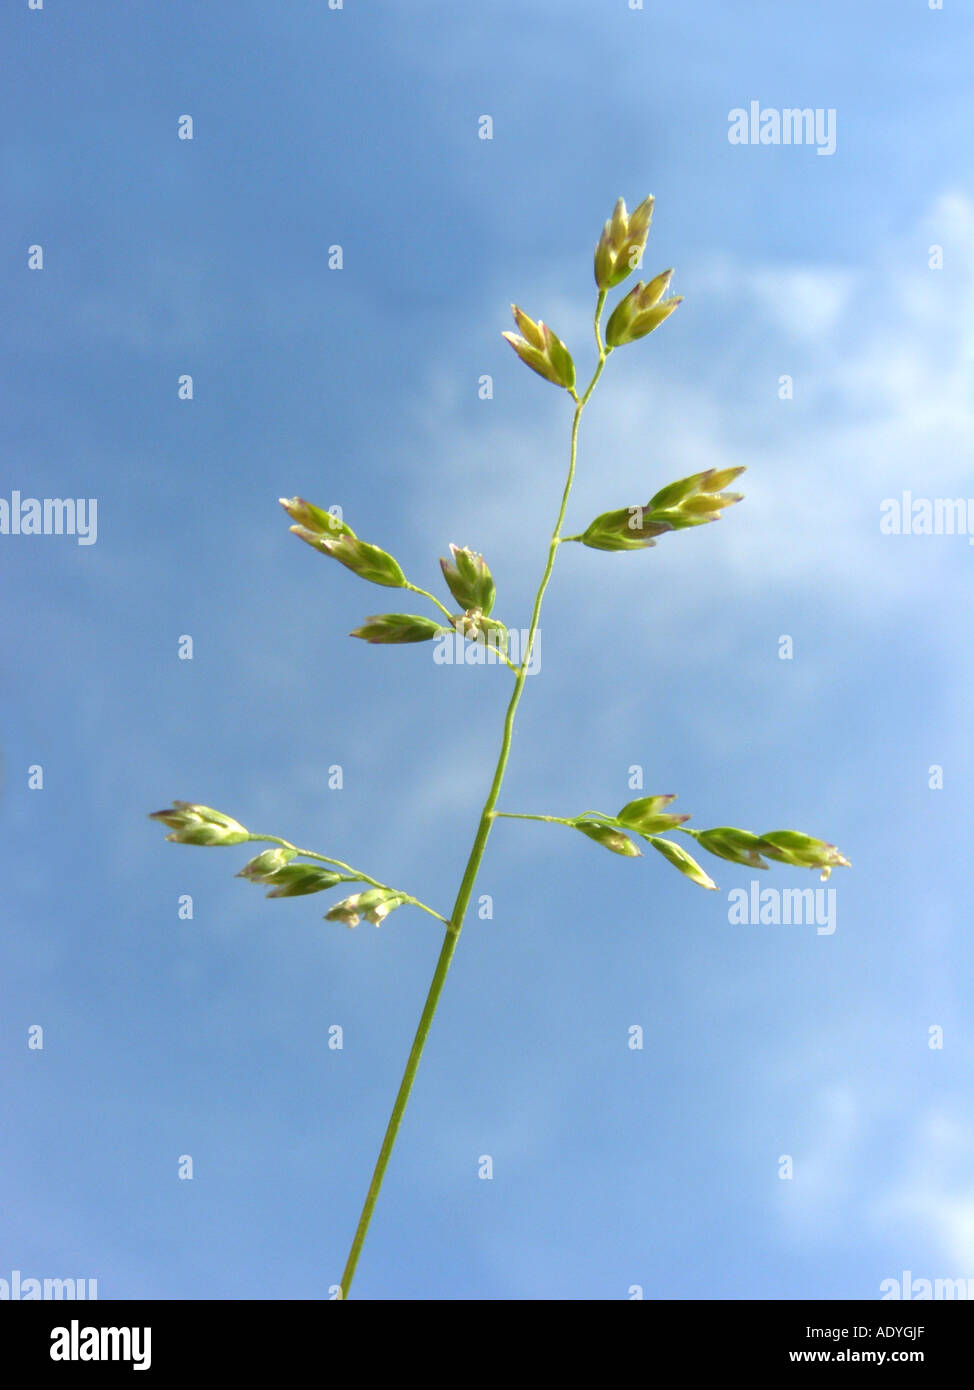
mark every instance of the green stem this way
{"type": "Point", "coordinates": [465, 892]}
{"type": "Point", "coordinates": [402, 1096]}
{"type": "Point", "coordinates": [503, 656]}
{"type": "Point", "coordinates": [415, 589]}
{"type": "Point", "coordinates": [518, 815]}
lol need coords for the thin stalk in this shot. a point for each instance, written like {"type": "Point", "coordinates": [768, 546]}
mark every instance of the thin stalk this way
{"type": "Point", "coordinates": [415, 589]}
{"type": "Point", "coordinates": [465, 892]}
{"type": "Point", "coordinates": [519, 815]}
{"type": "Point", "coordinates": [415, 902]}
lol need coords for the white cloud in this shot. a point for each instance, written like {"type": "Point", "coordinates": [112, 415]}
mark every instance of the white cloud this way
{"type": "Point", "coordinates": [933, 1195]}
{"type": "Point", "coordinates": [802, 301]}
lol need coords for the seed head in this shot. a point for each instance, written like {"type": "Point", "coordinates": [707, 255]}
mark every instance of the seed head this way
{"type": "Point", "coordinates": [622, 243]}
{"type": "Point", "coordinates": [193, 824]}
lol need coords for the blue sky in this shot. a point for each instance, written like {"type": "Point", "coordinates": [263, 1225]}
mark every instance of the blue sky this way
{"type": "Point", "coordinates": [613, 1168]}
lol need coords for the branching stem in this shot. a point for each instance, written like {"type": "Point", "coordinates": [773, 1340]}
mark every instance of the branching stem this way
{"type": "Point", "coordinates": [487, 816]}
